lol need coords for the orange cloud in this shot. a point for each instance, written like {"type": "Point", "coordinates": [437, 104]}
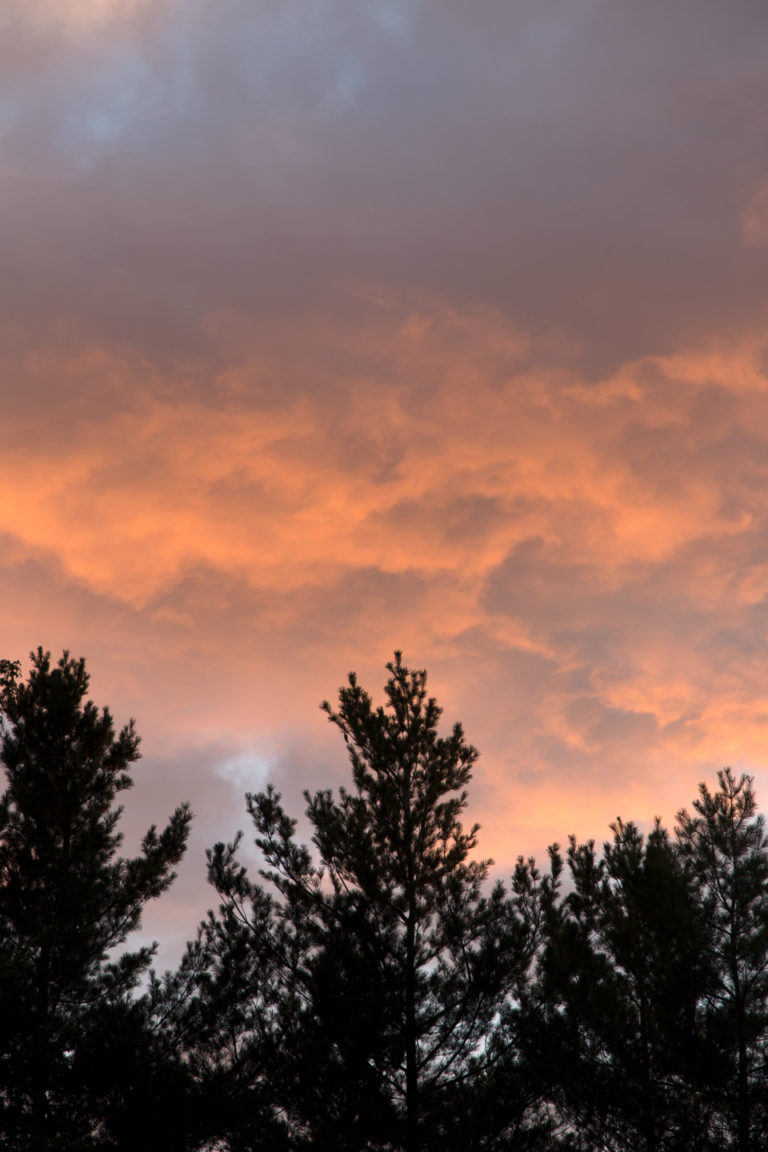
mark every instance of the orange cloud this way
{"type": "Point", "coordinates": [415, 481]}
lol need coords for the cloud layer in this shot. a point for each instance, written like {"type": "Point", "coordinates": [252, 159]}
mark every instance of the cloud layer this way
{"type": "Point", "coordinates": [332, 329]}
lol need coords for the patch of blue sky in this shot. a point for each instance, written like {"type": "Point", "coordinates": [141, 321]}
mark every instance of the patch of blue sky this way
{"type": "Point", "coordinates": [289, 57]}
{"type": "Point", "coordinates": [346, 82]}
{"type": "Point", "coordinates": [276, 37]}
{"type": "Point", "coordinates": [393, 17]}
{"type": "Point", "coordinates": [9, 113]}
{"type": "Point", "coordinates": [350, 77]}
{"type": "Point", "coordinates": [104, 109]}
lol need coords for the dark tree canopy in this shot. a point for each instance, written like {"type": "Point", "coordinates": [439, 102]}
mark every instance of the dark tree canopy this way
{"type": "Point", "coordinates": [623, 970]}
{"type": "Point", "coordinates": [372, 991]}
{"type": "Point", "coordinates": [726, 845]}
{"type": "Point", "coordinates": [67, 899]}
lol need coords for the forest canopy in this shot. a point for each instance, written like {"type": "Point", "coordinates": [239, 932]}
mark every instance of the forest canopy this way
{"type": "Point", "coordinates": [373, 990]}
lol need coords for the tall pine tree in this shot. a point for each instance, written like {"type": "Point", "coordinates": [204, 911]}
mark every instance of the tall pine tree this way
{"type": "Point", "coordinates": [382, 970]}
{"type": "Point", "coordinates": [67, 900]}
{"type": "Point", "coordinates": [726, 843]}
{"type": "Point", "coordinates": [623, 973]}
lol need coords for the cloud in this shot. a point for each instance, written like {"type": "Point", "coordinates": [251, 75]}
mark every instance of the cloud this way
{"type": "Point", "coordinates": [593, 550]}
{"type": "Point", "coordinates": [329, 332]}
{"type": "Point", "coordinates": [583, 174]}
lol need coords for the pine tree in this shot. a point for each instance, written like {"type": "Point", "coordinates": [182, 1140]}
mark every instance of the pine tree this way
{"type": "Point", "coordinates": [726, 843]}
{"type": "Point", "coordinates": [513, 1103]}
{"type": "Point", "coordinates": [67, 900]}
{"type": "Point", "coordinates": [622, 976]}
{"type": "Point", "coordinates": [383, 969]}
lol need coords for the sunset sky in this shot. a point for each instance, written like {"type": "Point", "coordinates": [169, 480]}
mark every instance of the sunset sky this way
{"type": "Point", "coordinates": [334, 327]}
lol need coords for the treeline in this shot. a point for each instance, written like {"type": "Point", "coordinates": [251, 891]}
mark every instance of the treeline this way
{"type": "Point", "coordinates": [375, 992]}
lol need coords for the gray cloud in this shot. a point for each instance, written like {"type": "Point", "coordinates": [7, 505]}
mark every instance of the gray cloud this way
{"type": "Point", "coordinates": [583, 171]}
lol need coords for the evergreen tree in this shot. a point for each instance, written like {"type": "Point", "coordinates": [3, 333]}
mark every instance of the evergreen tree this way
{"type": "Point", "coordinates": [66, 901]}
{"type": "Point", "coordinates": [726, 844]}
{"type": "Point", "coordinates": [513, 1103]}
{"type": "Point", "coordinates": [623, 973]}
{"type": "Point", "coordinates": [229, 1010]}
{"type": "Point", "coordinates": [381, 972]}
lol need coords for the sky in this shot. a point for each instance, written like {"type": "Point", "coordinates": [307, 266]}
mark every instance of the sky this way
{"type": "Point", "coordinates": [329, 329]}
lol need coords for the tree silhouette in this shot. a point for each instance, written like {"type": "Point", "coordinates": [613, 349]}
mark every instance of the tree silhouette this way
{"type": "Point", "coordinates": [625, 968]}
{"type": "Point", "coordinates": [389, 964]}
{"type": "Point", "coordinates": [376, 994]}
{"type": "Point", "coordinates": [726, 844]}
{"type": "Point", "coordinates": [66, 901]}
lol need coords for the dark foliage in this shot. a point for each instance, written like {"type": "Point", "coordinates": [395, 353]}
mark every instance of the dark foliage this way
{"type": "Point", "coordinates": [378, 975]}
{"type": "Point", "coordinates": [375, 995]}
{"type": "Point", "coordinates": [726, 846]}
{"type": "Point", "coordinates": [622, 973]}
{"type": "Point", "coordinates": [66, 901]}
